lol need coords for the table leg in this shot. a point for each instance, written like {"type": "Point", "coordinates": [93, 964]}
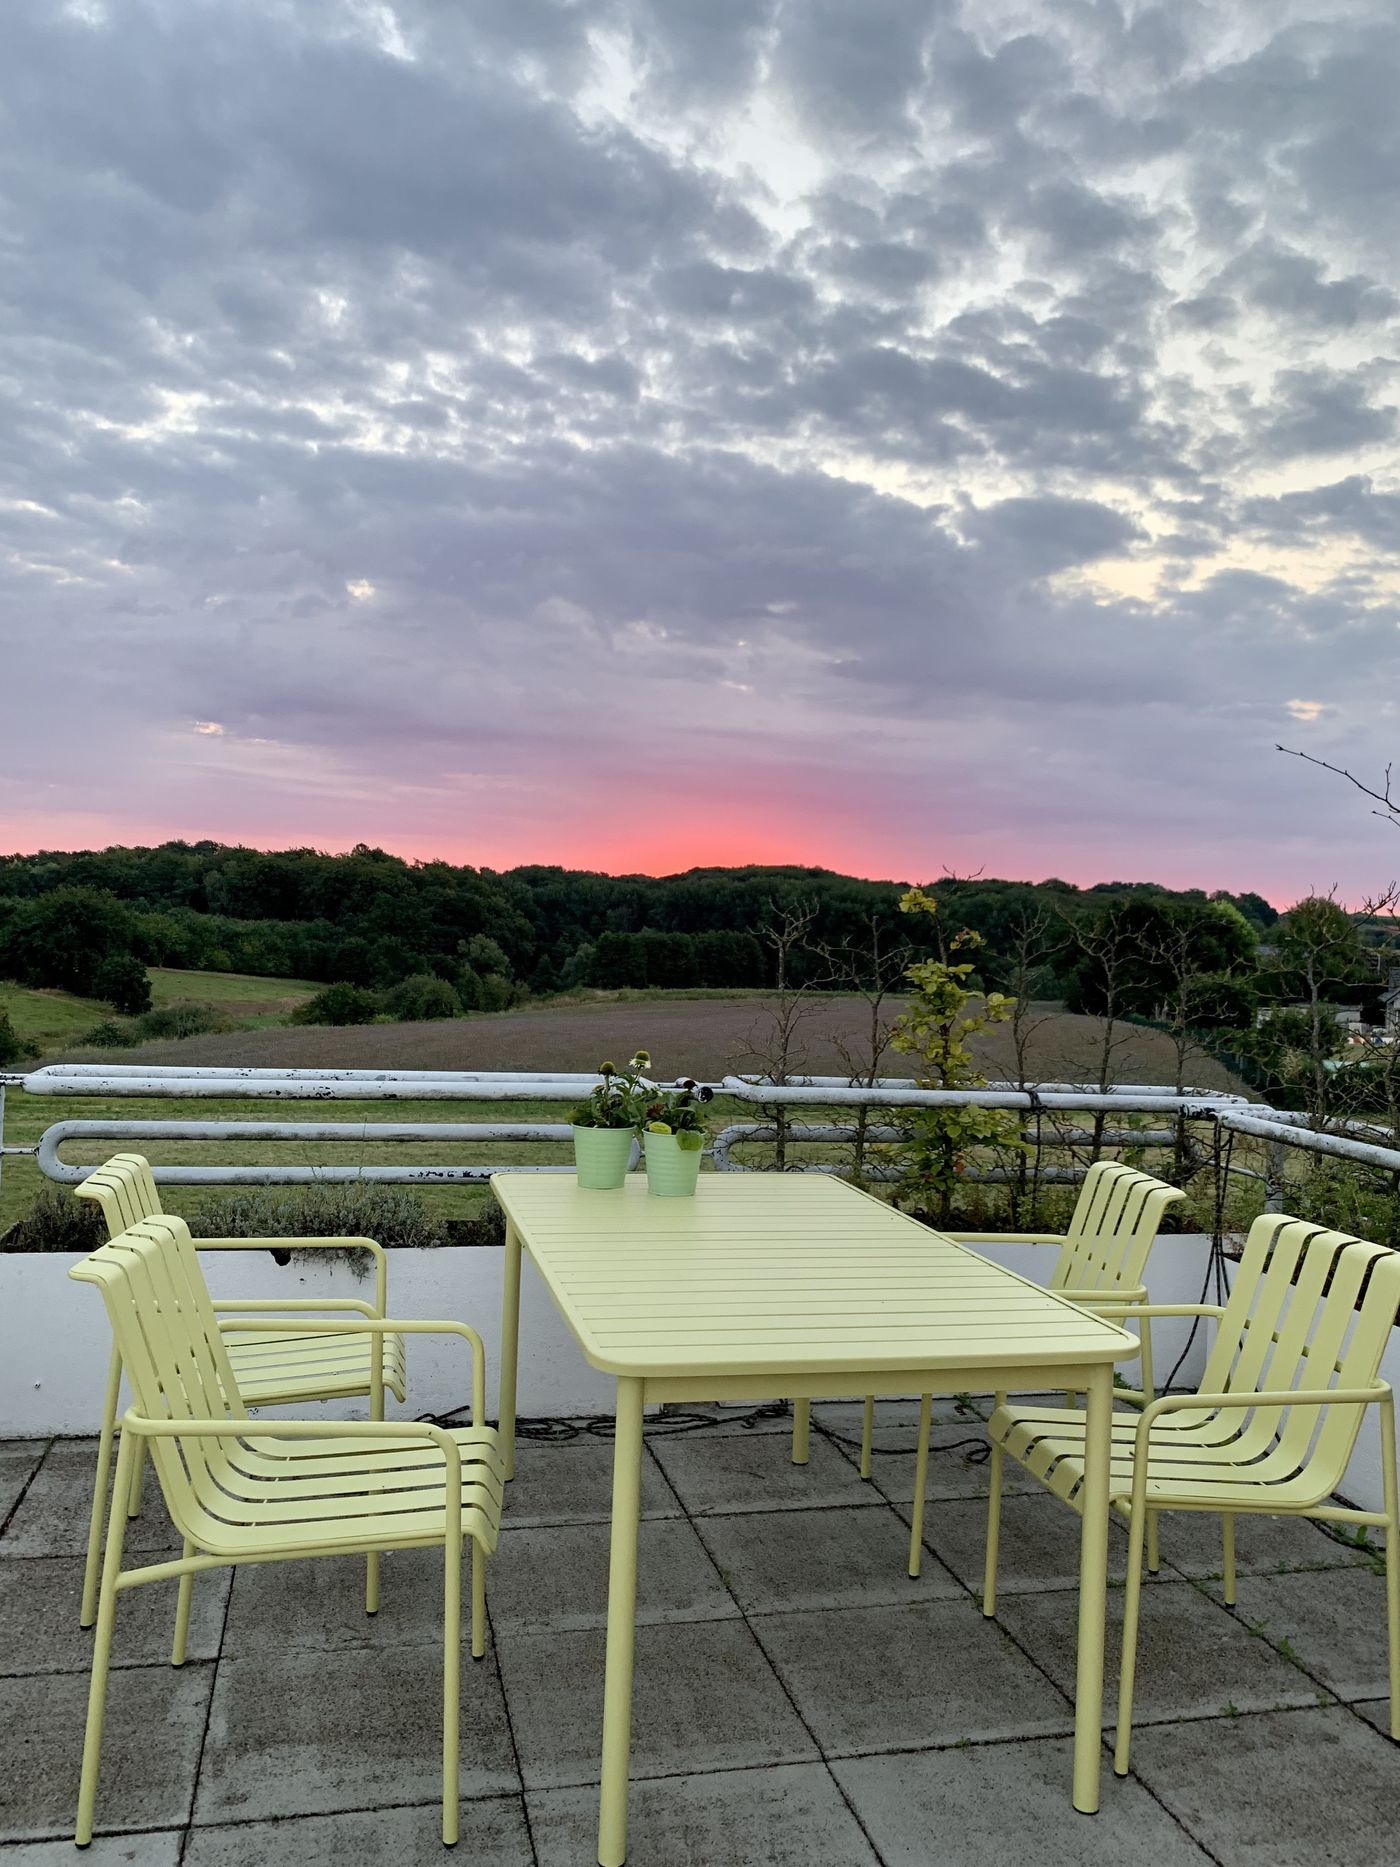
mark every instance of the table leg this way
{"type": "Point", "coordinates": [622, 1611]}
{"type": "Point", "coordinates": [510, 1347]}
{"type": "Point", "coordinates": [1093, 1591]}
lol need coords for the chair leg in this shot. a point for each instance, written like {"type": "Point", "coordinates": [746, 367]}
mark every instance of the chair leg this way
{"type": "Point", "coordinates": [478, 1601]}
{"type": "Point", "coordinates": [101, 1651]}
{"type": "Point", "coordinates": [98, 1521]}
{"type": "Point", "coordinates": [1154, 1542]}
{"type": "Point", "coordinates": [989, 1574]}
{"type": "Point", "coordinates": [372, 1582]}
{"type": "Point", "coordinates": [916, 1521]}
{"type": "Point", "coordinates": [1227, 1530]}
{"type": "Point", "coordinates": [1145, 1361]}
{"type": "Point", "coordinates": [451, 1687]}
{"type": "Point", "coordinates": [138, 1475]}
{"type": "Point", "coordinates": [801, 1430]}
{"type": "Point", "coordinates": [1391, 1485]}
{"type": "Point", "coordinates": [1132, 1601]}
{"type": "Point", "coordinates": [182, 1612]}
{"type": "Point", "coordinates": [867, 1435]}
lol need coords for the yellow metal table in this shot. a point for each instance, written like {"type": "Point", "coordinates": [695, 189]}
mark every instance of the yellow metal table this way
{"type": "Point", "coordinates": [768, 1286]}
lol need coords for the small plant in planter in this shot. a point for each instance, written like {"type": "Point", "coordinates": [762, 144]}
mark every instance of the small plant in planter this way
{"type": "Point", "coordinates": [674, 1135]}
{"type": "Point", "coordinates": [605, 1124]}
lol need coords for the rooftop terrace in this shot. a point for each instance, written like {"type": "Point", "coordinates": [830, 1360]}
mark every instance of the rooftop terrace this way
{"type": "Point", "coordinates": [799, 1699]}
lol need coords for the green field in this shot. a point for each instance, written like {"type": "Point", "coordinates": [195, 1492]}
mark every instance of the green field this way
{"type": "Point", "coordinates": [57, 1021]}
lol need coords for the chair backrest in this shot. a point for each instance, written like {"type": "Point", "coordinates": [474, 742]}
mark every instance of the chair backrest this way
{"type": "Point", "coordinates": [125, 1188]}
{"type": "Point", "coordinates": [172, 1351]}
{"type": "Point", "coordinates": [1310, 1309]}
{"type": "Point", "coordinates": [1113, 1229]}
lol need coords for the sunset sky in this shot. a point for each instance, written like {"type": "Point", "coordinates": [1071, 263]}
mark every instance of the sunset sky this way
{"type": "Point", "coordinates": [641, 433]}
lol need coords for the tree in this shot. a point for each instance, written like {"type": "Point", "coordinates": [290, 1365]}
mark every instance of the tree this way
{"type": "Point", "coordinates": [942, 1014]}
{"type": "Point", "coordinates": [1317, 957]}
{"type": "Point", "coordinates": [122, 982]}
{"type": "Point", "coordinates": [775, 1042]}
{"type": "Point", "coordinates": [871, 965]}
{"type": "Point", "coordinates": [63, 937]}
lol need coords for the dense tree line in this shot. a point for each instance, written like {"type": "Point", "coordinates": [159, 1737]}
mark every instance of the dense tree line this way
{"type": "Point", "coordinates": [91, 921]}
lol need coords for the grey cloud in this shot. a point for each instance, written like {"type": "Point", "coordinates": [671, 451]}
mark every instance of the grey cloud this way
{"type": "Point", "coordinates": [1320, 411]}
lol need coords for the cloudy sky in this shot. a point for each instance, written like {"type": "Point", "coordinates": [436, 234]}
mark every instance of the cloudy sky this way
{"type": "Point", "coordinates": [634, 433]}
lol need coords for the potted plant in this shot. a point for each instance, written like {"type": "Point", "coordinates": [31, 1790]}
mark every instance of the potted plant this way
{"type": "Point", "coordinates": [674, 1134]}
{"type": "Point", "coordinates": [605, 1124]}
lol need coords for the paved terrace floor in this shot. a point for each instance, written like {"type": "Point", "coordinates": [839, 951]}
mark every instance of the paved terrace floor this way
{"type": "Point", "coordinates": [799, 1699]}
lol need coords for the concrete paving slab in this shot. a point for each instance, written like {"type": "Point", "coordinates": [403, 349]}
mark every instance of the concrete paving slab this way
{"type": "Point", "coordinates": [736, 1474]}
{"type": "Point", "coordinates": [1376, 1712]}
{"type": "Point", "coordinates": [19, 1460]}
{"type": "Point", "coordinates": [957, 1468]}
{"type": "Point", "coordinates": [52, 1517]}
{"type": "Point", "coordinates": [493, 1834]}
{"type": "Point", "coordinates": [281, 1607]}
{"type": "Point", "coordinates": [704, 1699]}
{"type": "Point", "coordinates": [793, 1816]}
{"type": "Point", "coordinates": [1298, 1789]}
{"type": "Point", "coordinates": [873, 1679]}
{"type": "Point", "coordinates": [556, 1579]}
{"type": "Point", "coordinates": [1194, 1660]}
{"type": "Point", "coordinates": [896, 1421]}
{"type": "Point", "coordinates": [572, 1483]}
{"type": "Point", "coordinates": [780, 1562]}
{"type": "Point", "coordinates": [314, 1733]}
{"type": "Point", "coordinates": [39, 1631]}
{"type": "Point", "coordinates": [148, 1850]}
{"type": "Point", "coordinates": [1333, 1624]}
{"type": "Point", "coordinates": [1039, 1542]}
{"type": "Point", "coordinates": [989, 1805]}
{"type": "Point", "coordinates": [143, 1784]}
{"type": "Point", "coordinates": [737, 1421]}
{"type": "Point", "coordinates": [1191, 1543]}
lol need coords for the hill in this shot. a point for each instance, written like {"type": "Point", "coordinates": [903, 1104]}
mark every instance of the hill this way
{"type": "Point", "coordinates": [58, 1021]}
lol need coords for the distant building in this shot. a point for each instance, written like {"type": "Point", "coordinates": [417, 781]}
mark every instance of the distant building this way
{"type": "Point", "coordinates": [1390, 1005]}
{"type": "Point", "coordinates": [1348, 1016]}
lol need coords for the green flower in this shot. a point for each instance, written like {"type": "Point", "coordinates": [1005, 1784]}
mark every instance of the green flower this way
{"type": "Point", "coordinates": [642, 1060]}
{"type": "Point", "coordinates": [607, 1069]}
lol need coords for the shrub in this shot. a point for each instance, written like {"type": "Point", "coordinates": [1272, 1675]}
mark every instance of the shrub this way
{"type": "Point", "coordinates": [121, 980]}
{"type": "Point", "coordinates": [421, 996]}
{"type": "Point", "coordinates": [13, 1048]}
{"type": "Point", "coordinates": [338, 1004]}
{"type": "Point", "coordinates": [58, 1222]}
{"type": "Point", "coordinates": [109, 1035]}
{"type": "Point", "coordinates": [391, 1216]}
{"type": "Point", "coordinates": [181, 1019]}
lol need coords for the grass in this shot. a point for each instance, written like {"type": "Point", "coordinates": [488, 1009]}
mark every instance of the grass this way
{"type": "Point", "coordinates": [58, 1021]}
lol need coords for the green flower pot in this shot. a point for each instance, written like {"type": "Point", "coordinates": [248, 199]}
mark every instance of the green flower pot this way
{"type": "Point", "coordinates": [671, 1169]}
{"type": "Point", "coordinates": [601, 1156]}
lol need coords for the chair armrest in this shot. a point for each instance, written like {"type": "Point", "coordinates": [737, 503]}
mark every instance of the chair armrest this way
{"type": "Point", "coordinates": [1005, 1238]}
{"type": "Point", "coordinates": [381, 1325]}
{"type": "Point", "coordinates": [376, 1251]}
{"type": "Point", "coordinates": [1156, 1309]}
{"type": "Point", "coordinates": [271, 1306]}
{"type": "Point", "coordinates": [1133, 1296]}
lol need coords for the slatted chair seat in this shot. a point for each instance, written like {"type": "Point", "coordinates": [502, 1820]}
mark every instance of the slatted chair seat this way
{"type": "Point", "coordinates": [325, 1495]}
{"type": "Point", "coordinates": [1270, 1431]}
{"type": "Point", "coordinates": [273, 1369]}
{"type": "Point", "coordinates": [240, 1490]}
{"type": "Point", "coordinates": [279, 1370]}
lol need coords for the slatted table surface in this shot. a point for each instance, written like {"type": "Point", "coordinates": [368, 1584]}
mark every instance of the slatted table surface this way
{"type": "Point", "coordinates": [781, 1273]}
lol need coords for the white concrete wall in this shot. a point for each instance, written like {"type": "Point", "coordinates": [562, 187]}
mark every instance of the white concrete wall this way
{"type": "Point", "coordinates": [54, 1339]}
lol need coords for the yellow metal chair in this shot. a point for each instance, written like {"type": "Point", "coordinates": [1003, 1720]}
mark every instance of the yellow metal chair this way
{"type": "Point", "coordinates": [1270, 1431]}
{"type": "Point", "coordinates": [270, 1491]}
{"type": "Point", "coordinates": [274, 1368]}
{"type": "Point", "coordinates": [1103, 1257]}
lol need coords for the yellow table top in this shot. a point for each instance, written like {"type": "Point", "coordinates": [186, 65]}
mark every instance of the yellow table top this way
{"type": "Point", "coordinates": [783, 1273]}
